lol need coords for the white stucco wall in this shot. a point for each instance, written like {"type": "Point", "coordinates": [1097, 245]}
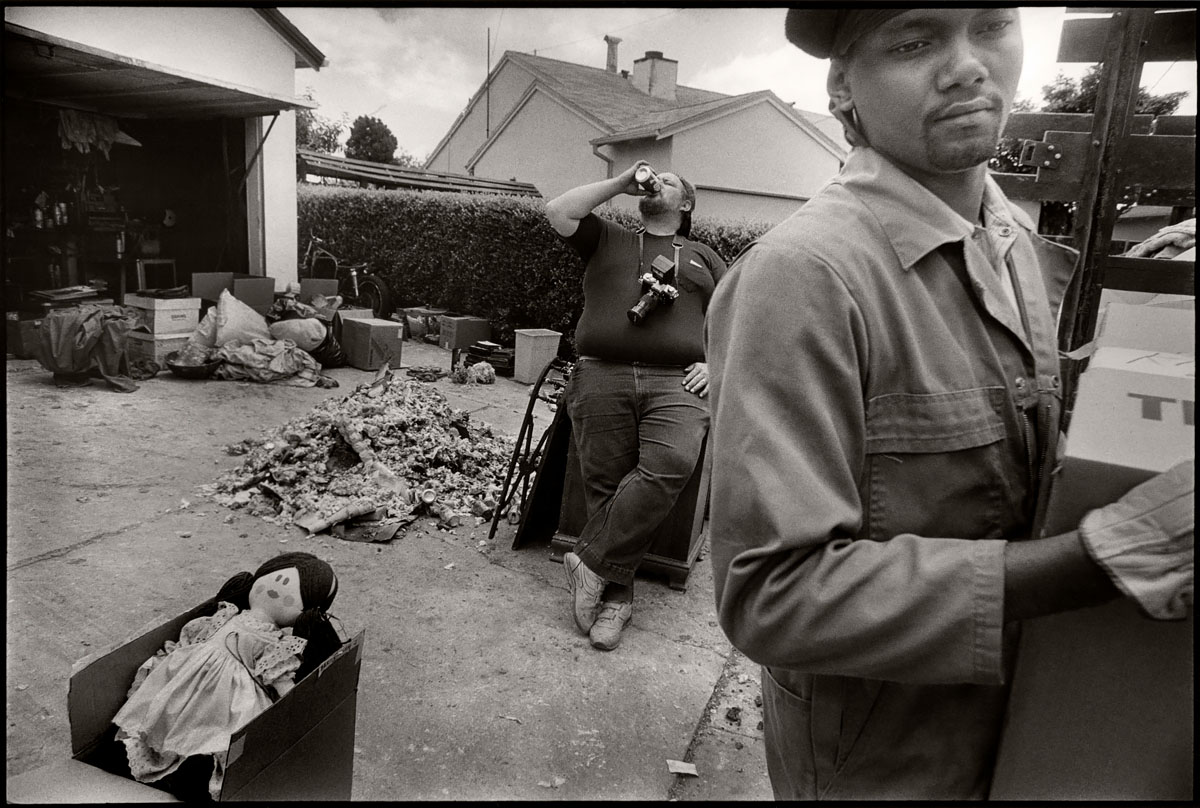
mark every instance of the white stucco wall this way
{"type": "Point", "coordinates": [730, 206]}
{"type": "Point", "coordinates": [756, 149]}
{"type": "Point", "coordinates": [508, 86]}
{"type": "Point", "coordinates": [547, 145]}
{"type": "Point", "coordinates": [230, 45]}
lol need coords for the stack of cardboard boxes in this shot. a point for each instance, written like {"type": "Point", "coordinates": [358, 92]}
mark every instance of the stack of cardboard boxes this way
{"type": "Point", "coordinates": [1102, 698]}
{"type": "Point", "coordinates": [165, 325]}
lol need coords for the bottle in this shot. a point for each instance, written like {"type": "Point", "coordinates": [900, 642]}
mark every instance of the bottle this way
{"type": "Point", "coordinates": [645, 177]}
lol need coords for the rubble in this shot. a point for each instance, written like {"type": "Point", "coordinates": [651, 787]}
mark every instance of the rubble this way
{"type": "Point", "coordinates": [393, 450]}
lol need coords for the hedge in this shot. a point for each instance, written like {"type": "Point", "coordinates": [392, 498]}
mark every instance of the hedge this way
{"type": "Point", "coordinates": [489, 256]}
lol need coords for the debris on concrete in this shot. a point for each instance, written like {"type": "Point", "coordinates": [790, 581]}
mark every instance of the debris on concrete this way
{"type": "Point", "coordinates": [681, 767]}
{"type": "Point", "coordinates": [557, 782]}
{"type": "Point", "coordinates": [393, 450]}
{"type": "Point", "coordinates": [734, 715]}
{"type": "Point", "coordinates": [510, 718]}
{"type": "Point", "coordinates": [427, 373]}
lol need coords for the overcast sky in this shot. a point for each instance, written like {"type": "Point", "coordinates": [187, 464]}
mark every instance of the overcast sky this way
{"type": "Point", "coordinates": [416, 68]}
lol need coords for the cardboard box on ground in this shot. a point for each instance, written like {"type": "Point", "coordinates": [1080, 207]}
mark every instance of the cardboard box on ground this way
{"type": "Point", "coordinates": [368, 342]}
{"type": "Point", "coordinates": [1102, 698]}
{"type": "Point", "coordinates": [177, 315]}
{"type": "Point", "coordinates": [300, 748]}
{"type": "Point", "coordinates": [256, 291]}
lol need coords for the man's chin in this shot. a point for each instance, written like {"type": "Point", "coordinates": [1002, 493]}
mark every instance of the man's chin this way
{"type": "Point", "coordinates": [962, 154]}
{"type": "Point", "coordinates": [651, 206]}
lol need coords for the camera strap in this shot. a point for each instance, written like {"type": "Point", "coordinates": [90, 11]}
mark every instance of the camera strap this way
{"type": "Point", "coordinates": [641, 234]}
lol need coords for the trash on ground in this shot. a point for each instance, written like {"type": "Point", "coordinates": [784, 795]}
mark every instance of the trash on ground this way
{"type": "Point", "coordinates": [394, 445]}
{"type": "Point", "coordinates": [734, 715]}
{"type": "Point", "coordinates": [680, 767]}
{"type": "Point", "coordinates": [427, 373]}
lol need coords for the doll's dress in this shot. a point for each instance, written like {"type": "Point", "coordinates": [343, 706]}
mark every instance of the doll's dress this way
{"type": "Point", "coordinates": [193, 695]}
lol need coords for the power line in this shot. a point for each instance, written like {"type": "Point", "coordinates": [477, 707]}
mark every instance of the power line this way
{"type": "Point", "coordinates": [1163, 75]}
{"type": "Point", "coordinates": [610, 31]}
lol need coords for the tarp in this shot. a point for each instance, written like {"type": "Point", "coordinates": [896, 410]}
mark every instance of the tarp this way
{"type": "Point", "coordinates": [78, 340]}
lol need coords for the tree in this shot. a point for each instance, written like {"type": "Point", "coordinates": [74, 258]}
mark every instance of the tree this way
{"type": "Point", "coordinates": [316, 132]}
{"type": "Point", "coordinates": [406, 160]}
{"type": "Point", "coordinates": [370, 139]}
{"type": "Point", "coordinates": [1066, 95]}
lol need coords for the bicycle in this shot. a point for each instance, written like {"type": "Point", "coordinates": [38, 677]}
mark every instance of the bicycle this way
{"type": "Point", "coordinates": [357, 284]}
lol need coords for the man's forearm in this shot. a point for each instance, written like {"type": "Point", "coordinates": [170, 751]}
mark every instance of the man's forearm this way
{"type": "Point", "coordinates": [569, 208]}
{"type": "Point", "coordinates": [1055, 574]}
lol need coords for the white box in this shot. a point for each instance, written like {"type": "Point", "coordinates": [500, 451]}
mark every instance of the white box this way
{"type": "Point", "coordinates": [535, 347]}
{"type": "Point", "coordinates": [178, 315]}
{"type": "Point", "coordinates": [154, 347]}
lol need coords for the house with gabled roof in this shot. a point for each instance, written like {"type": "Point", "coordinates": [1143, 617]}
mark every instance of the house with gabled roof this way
{"type": "Point", "coordinates": [558, 124]}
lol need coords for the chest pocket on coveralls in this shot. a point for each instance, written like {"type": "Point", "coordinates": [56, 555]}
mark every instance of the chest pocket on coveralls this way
{"type": "Point", "coordinates": [935, 465]}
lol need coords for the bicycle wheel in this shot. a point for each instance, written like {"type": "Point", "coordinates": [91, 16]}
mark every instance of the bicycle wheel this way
{"type": "Point", "coordinates": [373, 294]}
{"type": "Point", "coordinates": [377, 296]}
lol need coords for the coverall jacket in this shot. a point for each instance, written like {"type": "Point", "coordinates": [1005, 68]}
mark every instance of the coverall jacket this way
{"type": "Point", "coordinates": [882, 409]}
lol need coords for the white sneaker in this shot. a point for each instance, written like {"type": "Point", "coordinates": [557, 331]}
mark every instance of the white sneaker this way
{"type": "Point", "coordinates": [606, 631]}
{"type": "Point", "coordinates": [586, 588]}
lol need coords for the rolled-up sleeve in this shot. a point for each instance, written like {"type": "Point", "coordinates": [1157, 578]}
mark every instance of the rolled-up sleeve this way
{"type": "Point", "coordinates": [789, 351]}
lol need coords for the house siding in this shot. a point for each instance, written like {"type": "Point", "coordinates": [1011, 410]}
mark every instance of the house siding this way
{"type": "Point", "coordinates": [547, 145]}
{"type": "Point", "coordinates": [227, 44]}
{"type": "Point", "coordinates": [230, 44]}
{"type": "Point", "coordinates": [728, 206]}
{"type": "Point", "coordinates": [759, 149]}
{"type": "Point", "coordinates": [508, 86]}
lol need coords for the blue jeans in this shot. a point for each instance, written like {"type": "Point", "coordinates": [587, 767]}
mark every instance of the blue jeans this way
{"type": "Point", "coordinates": [639, 435]}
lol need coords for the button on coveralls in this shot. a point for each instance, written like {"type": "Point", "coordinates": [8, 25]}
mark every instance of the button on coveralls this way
{"type": "Point", "coordinates": [881, 413]}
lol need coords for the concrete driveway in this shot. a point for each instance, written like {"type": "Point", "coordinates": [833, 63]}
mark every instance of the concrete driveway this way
{"type": "Point", "coordinates": [475, 683]}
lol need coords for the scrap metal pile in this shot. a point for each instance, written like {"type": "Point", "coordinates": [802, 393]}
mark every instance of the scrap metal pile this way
{"type": "Point", "coordinates": [391, 451]}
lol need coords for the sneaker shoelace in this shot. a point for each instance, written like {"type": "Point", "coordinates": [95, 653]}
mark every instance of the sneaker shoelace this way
{"type": "Point", "coordinates": [609, 611]}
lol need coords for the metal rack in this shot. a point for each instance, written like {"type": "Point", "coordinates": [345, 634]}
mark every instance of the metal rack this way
{"type": "Point", "coordinates": [1113, 154]}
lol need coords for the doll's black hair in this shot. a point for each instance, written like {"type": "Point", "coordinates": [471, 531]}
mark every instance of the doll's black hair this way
{"type": "Point", "coordinates": [318, 588]}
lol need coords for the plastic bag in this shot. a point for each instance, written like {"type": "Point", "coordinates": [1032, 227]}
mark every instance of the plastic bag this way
{"type": "Point", "coordinates": [329, 353]}
{"type": "Point", "coordinates": [307, 333]}
{"type": "Point", "coordinates": [237, 322]}
{"type": "Point", "coordinates": [267, 360]}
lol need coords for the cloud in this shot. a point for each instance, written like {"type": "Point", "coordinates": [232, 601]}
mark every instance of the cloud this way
{"type": "Point", "coordinates": [790, 74]}
{"type": "Point", "coordinates": [416, 68]}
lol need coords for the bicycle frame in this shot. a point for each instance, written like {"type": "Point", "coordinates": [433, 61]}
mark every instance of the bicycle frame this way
{"type": "Point", "coordinates": [350, 277]}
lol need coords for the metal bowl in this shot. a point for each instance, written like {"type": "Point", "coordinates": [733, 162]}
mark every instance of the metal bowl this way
{"type": "Point", "coordinates": [191, 371]}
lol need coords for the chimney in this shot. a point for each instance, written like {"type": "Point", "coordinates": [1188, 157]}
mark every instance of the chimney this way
{"type": "Point", "coordinates": [654, 75]}
{"type": "Point", "coordinates": [613, 41]}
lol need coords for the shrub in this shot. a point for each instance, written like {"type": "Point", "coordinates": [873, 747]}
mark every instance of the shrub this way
{"type": "Point", "coordinates": [489, 256]}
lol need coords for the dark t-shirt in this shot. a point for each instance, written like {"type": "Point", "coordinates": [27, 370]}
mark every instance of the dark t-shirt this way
{"type": "Point", "coordinates": [672, 334]}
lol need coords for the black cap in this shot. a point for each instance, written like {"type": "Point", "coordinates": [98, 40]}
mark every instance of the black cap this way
{"type": "Point", "coordinates": [826, 32]}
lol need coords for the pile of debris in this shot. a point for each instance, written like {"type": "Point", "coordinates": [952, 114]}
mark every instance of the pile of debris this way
{"type": "Point", "coordinates": [391, 451]}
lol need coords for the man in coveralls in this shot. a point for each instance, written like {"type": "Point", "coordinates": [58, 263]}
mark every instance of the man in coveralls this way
{"type": "Point", "coordinates": [885, 404]}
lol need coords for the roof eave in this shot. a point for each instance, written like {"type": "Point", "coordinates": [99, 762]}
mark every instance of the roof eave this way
{"type": "Point", "coordinates": [307, 54]}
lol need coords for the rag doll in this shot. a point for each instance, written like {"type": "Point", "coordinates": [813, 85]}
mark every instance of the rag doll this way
{"type": "Point", "coordinates": [229, 667]}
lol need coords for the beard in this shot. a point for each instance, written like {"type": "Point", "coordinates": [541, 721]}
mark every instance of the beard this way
{"type": "Point", "coordinates": [653, 205]}
{"type": "Point", "coordinates": [962, 154]}
{"type": "Point", "coordinates": [956, 148]}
